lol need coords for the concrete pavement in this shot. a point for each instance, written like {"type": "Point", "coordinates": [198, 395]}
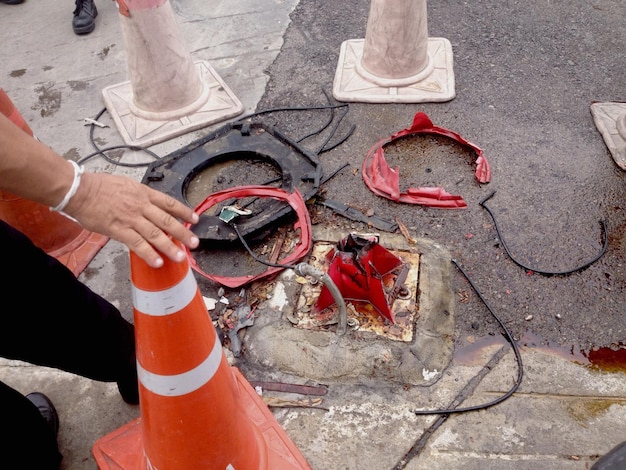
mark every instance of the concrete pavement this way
{"type": "Point", "coordinates": [563, 416]}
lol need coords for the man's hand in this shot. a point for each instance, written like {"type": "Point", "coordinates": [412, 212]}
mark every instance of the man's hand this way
{"type": "Point", "coordinates": [142, 218]}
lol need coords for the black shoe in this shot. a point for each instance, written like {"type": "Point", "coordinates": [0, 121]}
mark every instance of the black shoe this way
{"type": "Point", "coordinates": [11, 2]}
{"type": "Point", "coordinates": [47, 410]}
{"type": "Point", "coordinates": [614, 460]}
{"type": "Point", "coordinates": [128, 386]}
{"type": "Point", "coordinates": [85, 14]}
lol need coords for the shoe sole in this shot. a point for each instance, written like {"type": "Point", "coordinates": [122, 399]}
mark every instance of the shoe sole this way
{"type": "Point", "coordinates": [36, 398]}
{"type": "Point", "coordinates": [85, 29]}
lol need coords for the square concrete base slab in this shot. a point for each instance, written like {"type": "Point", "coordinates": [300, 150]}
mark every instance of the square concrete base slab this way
{"type": "Point", "coordinates": [282, 338]}
{"type": "Point", "coordinates": [221, 105]}
{"type": "Point", "coordinates": [606, 116]}
{"type": "Point", "coordinates": [436, 87]}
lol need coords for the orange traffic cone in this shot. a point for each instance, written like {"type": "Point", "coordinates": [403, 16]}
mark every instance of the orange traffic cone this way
{"type": "Point", "coordinates": [197, 412]}
{"type": "Point", "coordinates": [56, 235]}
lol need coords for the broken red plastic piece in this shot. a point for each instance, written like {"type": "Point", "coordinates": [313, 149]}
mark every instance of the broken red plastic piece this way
{"type": "Point", "coordinates": [123, 8]}
{"type": "Point", "coordinates": [384, 181]}
{"type": "Point", "coordinates": [303, 223]}
{"type": "Point", "coordinates": [357, 267]}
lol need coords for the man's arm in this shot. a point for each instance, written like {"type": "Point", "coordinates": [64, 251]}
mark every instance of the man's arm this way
{"type": "Point", "coordinates": [143, 219]}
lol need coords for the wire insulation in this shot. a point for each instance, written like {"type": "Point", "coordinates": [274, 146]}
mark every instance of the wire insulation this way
{"type": "Point", "coordinates": [539, 271]}
{"type": "Point", "coordinates": [509, 338]}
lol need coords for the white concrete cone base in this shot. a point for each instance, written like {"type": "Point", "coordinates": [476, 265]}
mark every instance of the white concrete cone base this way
{"type": "Point", "coordinates": [438, 86]}
{"type": "Point", "coordinates": [608, 118]}
{"type": "Point", "coordinates": [220, 105]}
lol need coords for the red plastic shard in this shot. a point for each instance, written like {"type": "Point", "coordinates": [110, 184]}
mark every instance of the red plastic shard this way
{"type": "Point", "coordinates": [384, 181]}
{"type": "Point", "coordinates": [358, 265]}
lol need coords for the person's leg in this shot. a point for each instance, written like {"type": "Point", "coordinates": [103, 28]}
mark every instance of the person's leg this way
{"type": "Point", "coordinates": [55, 320]}
{"type": "Point", "coordinates": [84, 21]}
{"type": "Point", "coordinates": [28, 441]}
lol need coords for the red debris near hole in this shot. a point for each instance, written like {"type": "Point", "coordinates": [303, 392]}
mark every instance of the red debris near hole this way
{"type": "Point", "coordinates": [358, 265]}
{"type": "Point", "coordinates": [384, 181]}
{"type": "Point", "coordinates": [303, 224]}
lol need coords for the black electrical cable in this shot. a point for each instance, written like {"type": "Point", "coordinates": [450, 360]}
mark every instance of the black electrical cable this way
{"type": "Point", "coordinates": [518, 358]}
{"type": "Point", "coordinates": [253, 254]}
{"type": "Point", "coordinates": [296, 108]}
{"type": "Point", "coordinates": [507, 333]}
{"type": "Point", "coordinates": [539, 271]}
{"type": "Point", "coordinates": [508, 336]}
{"type": "Point", "coordinates": [330, 136]}
{"type": "Point", "coordinates": [311, 108]}
{"type": "Point", "coordinates": [325, 126]}
{"type": "Point", "coordinates": [117, 162]}
{"type": "Point", "coordinates": [325, 179]}
{"type": "Point", "coordinates": [247, 247]}
{"type": "Point", "coordinates": [100, 151]}
{"type": "Point", "coordinates": [341, 141]}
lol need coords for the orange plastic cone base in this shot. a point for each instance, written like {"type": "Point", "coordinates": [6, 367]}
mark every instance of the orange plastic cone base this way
{"type": "Point", "coordinates": [78, 254]}
{"type": "Point", "coordinates": [123, 449]}
{"type": "Point", "coordinates": [9, 110]}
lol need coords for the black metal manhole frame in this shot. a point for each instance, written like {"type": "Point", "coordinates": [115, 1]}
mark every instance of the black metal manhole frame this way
{"type": "Point", "coordinates": [299, 169]}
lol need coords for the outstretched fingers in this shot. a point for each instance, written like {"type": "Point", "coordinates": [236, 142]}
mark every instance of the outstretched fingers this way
{"type": "Point", "coordinates": [171, 207]}
{"type": "Point", "coordinates": [157, 234]}
{"type": "Point", "coordinates": [145, 220]}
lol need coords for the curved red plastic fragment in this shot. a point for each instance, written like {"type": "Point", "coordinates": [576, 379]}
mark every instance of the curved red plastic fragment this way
{"type": "Point", "coordinates": [303, 223]}
{"type": "Point", "coordinates": [385, 181]}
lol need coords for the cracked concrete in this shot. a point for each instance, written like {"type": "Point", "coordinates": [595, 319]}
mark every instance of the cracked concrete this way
{"type": "Point", "coordinates": [360, 356]}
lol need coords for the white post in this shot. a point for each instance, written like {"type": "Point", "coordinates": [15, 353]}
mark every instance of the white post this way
{"type": "Point", "coordinates": [167, 94]}
{"type": "Point", "coordinates": [396, 62]}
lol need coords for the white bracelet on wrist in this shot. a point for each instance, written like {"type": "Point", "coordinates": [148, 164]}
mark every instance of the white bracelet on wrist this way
{"type": "Point", "coordinates": [78, 171]}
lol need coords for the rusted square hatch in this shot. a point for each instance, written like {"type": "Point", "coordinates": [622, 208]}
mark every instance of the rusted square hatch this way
{"type": "Point", "coordinates": [362, 316]}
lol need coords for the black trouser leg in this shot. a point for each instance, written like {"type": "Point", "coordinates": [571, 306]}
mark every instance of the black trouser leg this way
{"type": "Point", "coordinates": [49, 318]}
{"type": "Point", "coordinates": [55, 320]}
{"type": "Point", "coordinates": [27, 441]}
